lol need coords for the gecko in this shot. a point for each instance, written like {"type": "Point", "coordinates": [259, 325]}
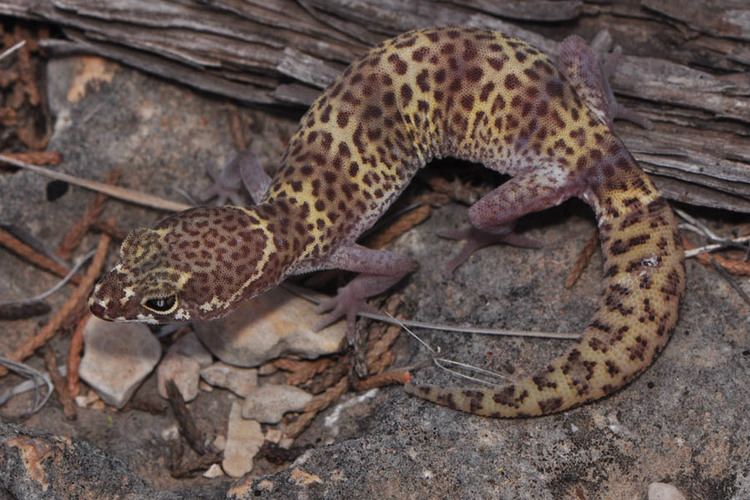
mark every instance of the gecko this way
{"type": "Point", "coordinates": [466, 93]}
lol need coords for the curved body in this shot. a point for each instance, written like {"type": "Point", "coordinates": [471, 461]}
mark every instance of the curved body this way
{"type": "Point", "coordinates": [480, 96]}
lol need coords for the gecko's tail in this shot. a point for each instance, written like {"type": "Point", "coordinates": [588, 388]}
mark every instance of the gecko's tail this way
{"type": "Point", "coordinates": [644, 280]}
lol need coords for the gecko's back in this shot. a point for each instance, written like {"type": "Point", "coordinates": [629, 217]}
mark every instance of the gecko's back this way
{"type": "Point", "coordinates": [471, 94]}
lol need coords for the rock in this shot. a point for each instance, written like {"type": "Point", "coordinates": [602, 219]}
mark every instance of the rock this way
{"type": "Point", "coordinates": [188, 345]}
{"type": "Point", "coordinates": [182, 364]}
{"type": "Point", "coordinates": [664, 491]}
{"type": "Point", "coordinates": [238, 380]}
{"type": "Point", "coordinates": [274, 324]}
{"type": "Point", "coordinates": [244, 439]}
{"type": "Point", "coordinates": [274, 436]}
{"type": "Point", "coordinates": [269, 403]}
{"type": "Point", "coordinates": [118, 357]}
{"type": "Point", "coordinates": [220, 442]}
{"type": "Point", "coordinates": [213, 472]}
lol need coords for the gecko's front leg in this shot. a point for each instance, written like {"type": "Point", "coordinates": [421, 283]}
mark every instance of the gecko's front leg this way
{"type": "Point", "coordinates": [244, 170]}
{"type": "Point", "coordinates": [379, 270]}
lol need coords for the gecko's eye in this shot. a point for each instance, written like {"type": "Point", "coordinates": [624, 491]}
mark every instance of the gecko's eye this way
{"type": "Point", "coordinates": [161, 305]}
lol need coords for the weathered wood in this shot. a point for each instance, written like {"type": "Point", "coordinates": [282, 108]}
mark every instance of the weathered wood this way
{"type": "Point", "coordinates": [686, 67]}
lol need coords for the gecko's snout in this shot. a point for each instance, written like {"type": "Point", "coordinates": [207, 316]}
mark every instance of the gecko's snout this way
{"type": "Point", "coordinates": [96, 309]}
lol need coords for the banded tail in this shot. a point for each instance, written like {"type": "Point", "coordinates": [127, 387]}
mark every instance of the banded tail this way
{"type": "Point", "coordinates": [644, 280]}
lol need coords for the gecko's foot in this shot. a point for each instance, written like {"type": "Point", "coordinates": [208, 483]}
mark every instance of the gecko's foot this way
{"type": "Point", "coordinates": [346, 304]}
{"type": "Point", "coordinates": [476, 239]}
{"type": "Point", "coordinates": [223, 189]}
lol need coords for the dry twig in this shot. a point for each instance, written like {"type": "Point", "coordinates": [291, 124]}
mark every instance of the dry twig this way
{"type": "Point", "coordinates": [65, 397]}
{"type": "Point", "coordinates": [582, 261]}
{"type": "Point", "coordinates": [37, 157]}
{"type": "Point", "coordinates": [302, 371]}
{"type": "Point", "coordinates": [315, 406]}
{"type": "Point", "coordinates": [394, 377]}
{"type": "Point", "coordinates": [76, 300]}
{"type": "Point", "coordinates": [401, 225]}
{"type": "Point", "coordinates": [114, 191]}
{"type": "Point", "coordinates": [26, 252]}
{"type": "Point", "coordinates": [188, 428]}
{"type": "Point", "coordinates": [74, 355]}
{"type": "Point", "coordinates": [76, 233]}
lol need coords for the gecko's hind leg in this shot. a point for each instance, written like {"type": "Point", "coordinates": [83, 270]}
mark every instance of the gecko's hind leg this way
{"type": "Point", "coordinates": [494, 216]}
{"type": "Point", "coordinates": [379, 270]}
{"type": "Point", "coordinates": [588, 69]}
{"type": "Point", "coordinates": [476, 239]}
{"type": "Point", "coordinates": [243, 170]}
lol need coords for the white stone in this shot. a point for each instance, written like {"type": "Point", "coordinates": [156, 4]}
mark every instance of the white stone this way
{"type": "Point", "coordinates": [220, 442]}
{"type": "Point", "coordinates": [184, 371]}
{"type": "Point", "coordinates": [244, 439]}
{"type": "Point", "coordinates": [238, 380]}
{"type": "Point", "coordinates": [182, 364]}
{"type": "Point", "coordinates": [118, 357]}
{"type": "Point", "coordinates": [664, 491]}
{"type": "Point", "coordinates": [213, 472]}
{"type": "Point", "coordinates": [274, 436]}
{"type": "Point", "coordinates": [269, 403]}
{"type": "Point", "coordinates": [276, 323]}
{"type": "Point", "coordinates": [189, 345]}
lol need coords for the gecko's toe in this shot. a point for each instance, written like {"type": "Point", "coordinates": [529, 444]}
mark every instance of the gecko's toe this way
{"type": "Point", "coordinates": [476, 239]}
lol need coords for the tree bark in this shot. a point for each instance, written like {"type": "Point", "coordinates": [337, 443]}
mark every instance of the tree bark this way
{"type": "Point", "coordinates": [686, 63]}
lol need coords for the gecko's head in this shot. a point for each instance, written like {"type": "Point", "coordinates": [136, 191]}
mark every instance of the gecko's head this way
{"type": "Point", "coordinates": [194, 265]}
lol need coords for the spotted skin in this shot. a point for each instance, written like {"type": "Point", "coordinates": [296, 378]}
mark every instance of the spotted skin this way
{"type": "Point", "coordinates": [466, 93]}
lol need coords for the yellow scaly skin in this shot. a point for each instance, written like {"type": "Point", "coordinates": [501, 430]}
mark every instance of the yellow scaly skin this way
{"type": "Point", "coordinates": [466, 93]}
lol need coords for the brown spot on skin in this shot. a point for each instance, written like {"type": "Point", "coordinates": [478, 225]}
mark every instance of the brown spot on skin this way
{"type": "Point", "coordinates": [549, 405]}
{"type": "Point", "coordinates": [399, 65]}
{"type": "Point", "coordinates": [474, 74]}
{"type": "Point", "coordinates": [496, 63]}
{"type": "Point", "coordinates": [512, 82]}
{"type": "Point", "coordinates": [554, 88]}
{"type": "Point", "coordinates": [422, 80]}
{"type": "Point", "coordinates": [486, 89]}
{"type": "Point", "coordinates": [475, 399]}
{"type": "Point", "coordinates": [420, 54]}
{"type": "Point", "coordinates": [406, 94]}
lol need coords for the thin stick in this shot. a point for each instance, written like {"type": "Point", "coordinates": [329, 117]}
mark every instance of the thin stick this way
{"type": "Point", "coordinates": [22, 249]}
{"type": "Point", "coordinates": [114, 191]}
{"type": "Point", "coordinates": [301, 292]}
{"type": "Point", "coordinates": [13, 49]}
{"type": "Point", "coordinates": [392, 377]}
{"type": "Point", "coordinates": [77, 267]}
{"type": "Point", "coordinates": [583, 260]}
{"type": "Point", "coordinates": [35, 376]}
{"type": "Point", "coordinates": [66, 399]}
{"type": "Point", "coordinates": [716, 246]}
{"type": "Point", "coordinates": [728, 278]}
{"type": "Point", "coordinates": [74, 302]}
{"type": "Point", "coordinates": [74, 356]}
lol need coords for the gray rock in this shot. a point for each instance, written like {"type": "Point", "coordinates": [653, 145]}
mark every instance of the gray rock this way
{"type": "Point", "coordinates": [244, 439]}
{"type": "Point", "coordinates": [270, 402]}
{"type": "Point", "coordinates": [240, 381]}
{"type": "Point", "coordinates": [117, 358]}
{"type": "Point", "coordinates": [276, 323]}
{"type": "Point", "coordinates": [664, 491]}
{"type": "Point", "coordinates": [182, 364]}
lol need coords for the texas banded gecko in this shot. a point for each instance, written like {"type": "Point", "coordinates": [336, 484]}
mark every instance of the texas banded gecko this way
{"type": "Point", "coordinates": [466, 93]}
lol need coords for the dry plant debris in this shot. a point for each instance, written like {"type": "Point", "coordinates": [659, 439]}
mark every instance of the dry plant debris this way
{"type": "Point", "coordinates": [75, 303]}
